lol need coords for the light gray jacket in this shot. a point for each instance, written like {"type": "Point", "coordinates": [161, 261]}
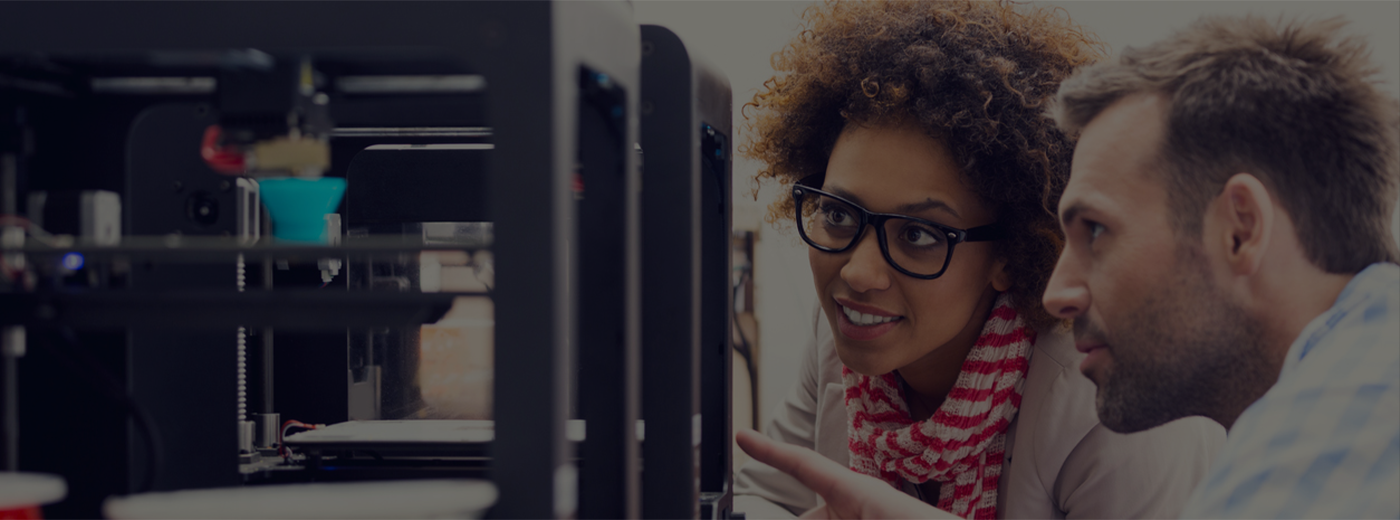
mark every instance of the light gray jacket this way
{"type": "Point", "coordinates": [1060, 462]}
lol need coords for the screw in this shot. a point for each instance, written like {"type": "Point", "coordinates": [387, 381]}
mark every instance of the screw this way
{"type": "Point", "coordinates": [225, 185]}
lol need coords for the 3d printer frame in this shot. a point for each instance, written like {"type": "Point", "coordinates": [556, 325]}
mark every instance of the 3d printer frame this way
{"type": "Point", "coordinates": [555, 291]}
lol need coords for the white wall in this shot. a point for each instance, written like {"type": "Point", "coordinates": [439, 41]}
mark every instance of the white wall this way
{"type": "Point", "coordinates": [740, 37]}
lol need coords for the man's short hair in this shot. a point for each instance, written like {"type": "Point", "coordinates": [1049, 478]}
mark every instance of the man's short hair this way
{"type": "Point", "coordinates": [1292, 103]}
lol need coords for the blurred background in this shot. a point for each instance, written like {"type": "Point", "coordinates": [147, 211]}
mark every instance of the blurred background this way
{"type": "Point", "coordinates": [775, 298]}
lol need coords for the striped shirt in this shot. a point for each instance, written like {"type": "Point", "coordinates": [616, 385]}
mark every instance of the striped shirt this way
{"type": "Point", "coordinates": [1324, 442]}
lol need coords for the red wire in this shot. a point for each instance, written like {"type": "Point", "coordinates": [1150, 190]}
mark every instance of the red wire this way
{"type": "Point", "coordinates": [282, 449]}
{"type": "Point", "coordinates": [11, 274]}
{"type": "Point", "coordinates": [15, 220]}
{"type": "Point", "coordinates": [220, 159]}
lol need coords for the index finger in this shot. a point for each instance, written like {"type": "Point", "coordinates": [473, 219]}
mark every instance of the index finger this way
{"type": "Point", "coordinates": [818, 473]}
{"type": "Point", "coordinates": [847, 493]}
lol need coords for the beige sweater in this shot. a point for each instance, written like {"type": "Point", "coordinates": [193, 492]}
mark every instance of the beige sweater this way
{"type": "Point", "coordinates": [1060, 462]}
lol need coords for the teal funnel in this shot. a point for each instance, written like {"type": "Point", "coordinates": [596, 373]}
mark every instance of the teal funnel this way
{"type": "Point", "coordinates": [298, 207]}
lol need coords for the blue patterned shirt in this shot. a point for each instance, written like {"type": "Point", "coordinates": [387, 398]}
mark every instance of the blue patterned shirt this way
{"type": "Point", "coordinates": [1324, 442]}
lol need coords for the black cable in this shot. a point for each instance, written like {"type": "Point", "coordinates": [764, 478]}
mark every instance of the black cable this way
{"type": "Point", "coordinates": [746, 352]}
{"type": "Point", "coordinates": [74, 352]}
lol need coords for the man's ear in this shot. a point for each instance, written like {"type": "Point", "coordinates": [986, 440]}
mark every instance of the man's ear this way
{"type": "Point", "coordinates": [1001, 281]}
{"type": "Point", "coordinates": [1246, 215]}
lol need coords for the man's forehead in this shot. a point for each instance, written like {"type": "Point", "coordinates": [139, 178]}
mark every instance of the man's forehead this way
{"type": "Point", "coordinates": [1116, 156]}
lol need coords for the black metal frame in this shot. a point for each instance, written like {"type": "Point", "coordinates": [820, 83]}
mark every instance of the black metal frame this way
{"type": "Point", "coordinates": [531, 54]}
{"type": "Point", "coordinates": [609, 346]}
{"type": "Point", "coordinates": [686, 278]}
{"type": "Point", "coordinates": [955, 236]}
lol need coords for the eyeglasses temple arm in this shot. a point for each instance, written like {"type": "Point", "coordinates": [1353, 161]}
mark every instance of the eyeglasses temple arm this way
{"type": "Point", "coordinates": [987, 233]}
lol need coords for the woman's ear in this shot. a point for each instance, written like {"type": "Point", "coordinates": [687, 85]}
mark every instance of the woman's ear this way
{"type": "Point", "coordinates": [1001, 280]}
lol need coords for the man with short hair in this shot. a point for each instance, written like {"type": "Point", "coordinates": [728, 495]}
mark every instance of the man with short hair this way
{"type": "Point", "coordinates": [1227, 255]}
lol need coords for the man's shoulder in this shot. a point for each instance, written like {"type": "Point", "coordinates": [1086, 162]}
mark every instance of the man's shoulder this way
{"type": "Point", "coordinates": [1372, 299]}
{"type": "Point", "coordinates": [1369, 308]}
{"type": "Point", "coordinates": [1356, 343]}
{"type": "Point", "coordinates": [1310, 450]}
{"type": "Point", "coordinates": [1344, 367]}
{"type": "Point", "coordinates": [1323, 441]}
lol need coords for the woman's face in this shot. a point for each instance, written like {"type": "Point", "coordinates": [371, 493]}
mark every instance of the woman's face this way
{"type": "Point", "coordinates": [899, 169]}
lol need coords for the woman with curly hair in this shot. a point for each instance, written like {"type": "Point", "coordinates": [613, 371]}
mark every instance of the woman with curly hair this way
{"type": "Point", "coordinates": [923, 173]}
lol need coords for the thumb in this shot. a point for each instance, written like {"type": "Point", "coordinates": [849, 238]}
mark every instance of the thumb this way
{"type": "Point", "coordinates": [820, 513]}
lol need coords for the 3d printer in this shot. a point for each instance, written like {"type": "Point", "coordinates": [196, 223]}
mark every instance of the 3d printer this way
{"type": "Point", "coordinates": [160, 324]}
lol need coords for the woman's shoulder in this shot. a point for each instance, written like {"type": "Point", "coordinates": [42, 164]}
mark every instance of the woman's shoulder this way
{"type": "Point", "coordinates": [1057, 401]}
{"type": "Point", "coordinates": [1055, 345]}
{"type": "Point", "coordinates": [827, 362]}
{"type": "Point", "coordinates": [1056, 413]}
{"type": "Point", "coordinates": [1054, 382]}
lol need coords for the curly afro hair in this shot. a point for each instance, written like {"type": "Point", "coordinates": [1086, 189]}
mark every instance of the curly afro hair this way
{"type": "Point", "coordinates": [979, 76]}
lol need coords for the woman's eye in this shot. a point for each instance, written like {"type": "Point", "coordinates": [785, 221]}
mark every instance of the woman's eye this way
{"type": "Point", "coordinates": [919, 236]}
{"type": "Point", "coordinates": [837, 216]}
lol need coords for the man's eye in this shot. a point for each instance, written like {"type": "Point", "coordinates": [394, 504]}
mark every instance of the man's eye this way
{"type": "Point", "coordinates": [1095, 229]}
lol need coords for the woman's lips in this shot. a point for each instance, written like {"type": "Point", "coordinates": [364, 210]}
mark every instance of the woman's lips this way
{"type": "Point", "coordinates": [862, 332]}
{"type": "Point", "coordinates": [863, 308]}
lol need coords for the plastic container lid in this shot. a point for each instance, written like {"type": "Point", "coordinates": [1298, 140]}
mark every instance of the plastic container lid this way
{"type": "Point", "coordinates": [30, 489]}
{"type": "Point", "coordinates": [458, 498]}
{"type": "Point", "coordinates": [298, 207]}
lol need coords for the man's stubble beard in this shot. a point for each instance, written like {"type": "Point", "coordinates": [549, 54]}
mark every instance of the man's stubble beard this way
{"type": "Point", "coordinates": [1186, 350]}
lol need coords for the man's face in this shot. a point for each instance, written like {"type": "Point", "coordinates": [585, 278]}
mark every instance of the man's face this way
{"type": "Point", "coordinates": [1163, 340]}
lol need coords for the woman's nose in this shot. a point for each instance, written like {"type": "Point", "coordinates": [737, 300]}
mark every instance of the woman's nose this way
{"type": "Point", "coordinates": [867, 269]}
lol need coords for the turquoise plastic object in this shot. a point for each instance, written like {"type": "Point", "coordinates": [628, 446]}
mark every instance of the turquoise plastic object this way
{"type": "Point", "coordinates": [298, 207]}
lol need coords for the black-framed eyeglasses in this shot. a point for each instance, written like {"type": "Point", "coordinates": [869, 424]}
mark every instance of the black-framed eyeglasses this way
{"type": "Point", "coordinates": [922, 248]}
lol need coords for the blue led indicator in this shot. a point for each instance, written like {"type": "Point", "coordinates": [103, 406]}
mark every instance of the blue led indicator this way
{"type": "Point", "coordinates": [73, 261]}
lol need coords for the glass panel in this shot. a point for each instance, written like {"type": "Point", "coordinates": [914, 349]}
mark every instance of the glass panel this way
{"type": "Point", "coordinates": [829, 222]}
{"type": "Point", "coordinates": [917, 247]}
{"type": "Point", "coordinates": [442, 370]}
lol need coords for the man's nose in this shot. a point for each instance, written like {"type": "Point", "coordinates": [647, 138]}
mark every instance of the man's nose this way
{"type": "Point", "coordinates": [1066, 295]}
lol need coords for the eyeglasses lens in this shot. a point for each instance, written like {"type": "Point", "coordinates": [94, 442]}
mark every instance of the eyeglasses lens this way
{"type": "Point", "coordinates": [832, 224]}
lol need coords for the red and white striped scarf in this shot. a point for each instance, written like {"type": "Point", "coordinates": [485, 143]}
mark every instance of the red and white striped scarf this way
{"type": "Point", "coordinates": [963, 443]}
